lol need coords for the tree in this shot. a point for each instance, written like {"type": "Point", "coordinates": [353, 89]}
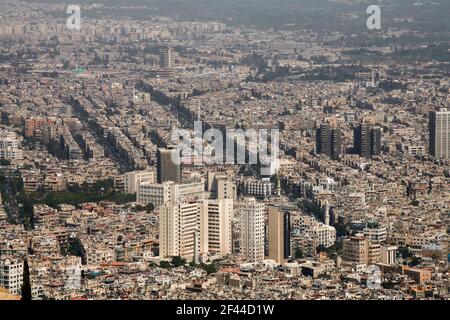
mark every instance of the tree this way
{"type": "Point", "coordinates": [164, 264]}
{"type": "Point", "coordinates": [415, 261]}
{"type": "Point", "coordinates": [103, 185]}
{"type": "Point", "coordinates": [388, 285]}
{"type": "Point", "coordinates": [415, 203]}
{"type": "Point", "coordinates": [76, 248]}
{"type": "Point", "coordinates": [27, 214]}
{"type": "Point", "coordinates": [321, 248]}
{"type": "Point", "coordinates": [30, 248]}
{"type": "Point", "coordinates": [209, 268]}
{"type": "Point", "coordinates": [405, 252]}
{"type": "Point", "coordinates": [298, 253]}
{"type": "Point", "coordinates": [26, 285]}
{"type": "Point", "coordinates": [177, 261]}
{"type": "Point", "coordinates": [4, 162]}
{"type": "Point", "coordinates": [150, 207]}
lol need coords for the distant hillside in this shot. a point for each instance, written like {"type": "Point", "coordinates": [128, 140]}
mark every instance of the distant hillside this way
{"type": "Point", "coordinates": [342, 15]}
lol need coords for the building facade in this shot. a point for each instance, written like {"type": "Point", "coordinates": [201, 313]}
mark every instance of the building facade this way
{"type": "Point", "coordinates": [159, 193]}
{"type": "Point", "coordinates": [11, 274]}
{"type": "Point", "coordinates": [279, 233]}
{"type": "Point", "coordinates": [328, 141]}
{"type": "Point", "coordinates": [10, 146]}
{"type": "Point", "coordinates": [251, 222]}
{"type": "Point", "coordinates": [167, 170]}
{"type": "Point", "coordinates": [133, 180]}
{"type": "Point", "coordinates": [439, 131]}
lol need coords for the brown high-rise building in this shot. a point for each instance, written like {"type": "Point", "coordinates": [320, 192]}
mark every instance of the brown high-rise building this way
{"type": "Point", "coordinates": [328, 141]}
{"type": "Point", "coordinates": [278, 235]}
{"type": "Point", "coordinates": [367, 140]}
{"type": "Point", "coordinates": [167, 169]}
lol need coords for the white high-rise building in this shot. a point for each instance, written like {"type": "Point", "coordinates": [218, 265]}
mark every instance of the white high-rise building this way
{"type": "Point", "coordinates": [11, 274]}
{"type": "Point", "coordinates": [159, 193]}
{"type": "Point", "coordinates": [216, 226]}
{"type": "Point", "coordinates": [10, 146]}
{"type": "Point", "coordinates": [134, 179]}
{"type": "Point", "coordinates": [180, 222]}
{"type": "Point", "coordinates": [251, 223]}
{"type": "Point", "coordinates": [178, 225]}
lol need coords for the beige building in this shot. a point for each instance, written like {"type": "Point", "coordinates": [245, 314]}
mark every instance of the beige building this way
{"type": "Point", "coordinates": [196, 228]}
{"type": "Point", "coordinates": [378, 234]}
{"type": "Point", "coordinates": [374, 253]}
{"type": "Point", "coordinates": [133, 180]}
{"type": "Point", "coordinates": [277, 236]}
{"type": "Point", "coordinates": [178, 225]}
{"type": "Point", "coordinates": [5, 295]}
{"type": "Point", "coordinates": [251, 222]}
{"type": "Point", "coordinates": [159, 193]}
{"type": "Point", "coordinates": [216, 227]}
{"type": "Point", "coordinates": [388, 254]}
{"type": "Point", "coordinates": [220, 186]}
{"type": "Point", "coordinates": [356, 249]}
{"type": "Point", "coordinates": [97, 256]}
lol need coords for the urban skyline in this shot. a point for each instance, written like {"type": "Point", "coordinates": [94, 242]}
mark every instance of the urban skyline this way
{"type": "Point", "coordinates": [224, 150]}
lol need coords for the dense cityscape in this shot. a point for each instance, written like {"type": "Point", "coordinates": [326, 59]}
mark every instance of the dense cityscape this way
{"type": "Point", "coordinates": [350, 201]}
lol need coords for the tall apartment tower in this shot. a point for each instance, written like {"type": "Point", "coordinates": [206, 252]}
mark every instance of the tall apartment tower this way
{"type": "Point", "coordinates": [190, 229]}
{"type": "Point", "coordinates": [367, 140]}
{"type": "Point", "coordinates": [178, 227]}
{"type": "Point", "coordinates": [251, 223]}
{"type": "Point", "coordinates": [375, 141]}
{"type": "Point", "coordinates": [167, 170]}
{"type": "Point", "coordinates": [328, 141]}
{"type": "Point", "coordinates": [323, 137]}
{"type": "Point", "coordinates": [221, 186]}
{"type": "Point", "coordinates": [165, 58]}
{"type": "Point", "coordinates": [336, 147]}
{"type": "Point", "coordinates": [361, 136]}
{"type": "Point", "coordinates": [279, 235]}
{"type": "Point", "coordinates": [439, 130]}
{"type": "Point", "coordinates": [216, 218]}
